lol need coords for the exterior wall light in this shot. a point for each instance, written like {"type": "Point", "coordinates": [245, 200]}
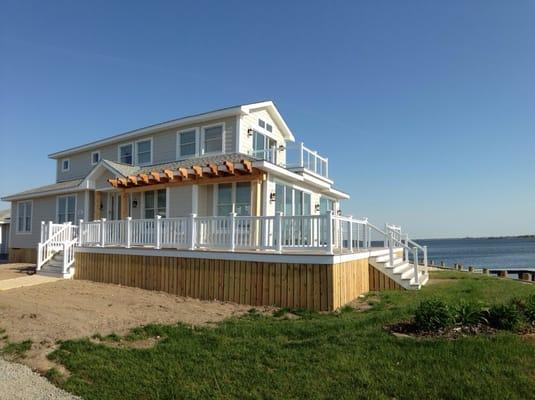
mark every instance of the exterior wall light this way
{"type": "Point", "coordinates": [272, 196]}
{"type": "Point", "coordinates": [250, 132]}
{"type": "Point", "coordinates": [317, 207]}
{"type": "Point", "coordinates": [134, 204]}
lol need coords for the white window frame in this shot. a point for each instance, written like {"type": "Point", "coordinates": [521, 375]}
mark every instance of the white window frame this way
{"type": "Point", "coordinates": [179, 156]}
{"type": "Point", "coordinates": [135, 157]}
{"type": "Point", "coordinates": [75, 205]}
{"type": "Point", "coordinates": [92, 154]}
{"type": "Point", "coordinates": [19, 232]}
{"type": "Point", "coordinates": [203, 130]}
{"type": "Point", "coordinates": [63, 169]}
{"type": "Point", "coordinates": [301, 189]}
{"type": "Point", "coordinates": [119, 152]}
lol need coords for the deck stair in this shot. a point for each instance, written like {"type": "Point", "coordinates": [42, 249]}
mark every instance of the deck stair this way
{"type": "Point", "coordinates": [54, 267]}
{"type": "Point", "coordinates": [400, 271]}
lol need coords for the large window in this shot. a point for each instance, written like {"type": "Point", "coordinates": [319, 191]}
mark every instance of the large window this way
{"type": "Point", "coordinates": [292, 201]}
{"type": "Point", "coordinates": [66, 209]}
{"type": "Point", "coordinates": [234, 198]}
{"type": "Point", "coordinates": [24, 217]}
{"type": "Point", "coordinates": [263, 146]}
{"type": "Point", "coordinates": [213, 139]}
{"type": "Point", "coordinates": [125, 154]}
{"type": "Point", "coordinates": [155, 203]}
{"type": "Point", "coordinates": [187, 143]}
{"type": "Point", "coordinates": [144, 152]}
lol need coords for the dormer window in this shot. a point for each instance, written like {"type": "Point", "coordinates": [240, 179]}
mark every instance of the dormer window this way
{"type": "Point", "coordinates": [65, 165]}
{"type": "Point", "coordinates": [261, 123]}
{"type": "Point", "coordinates": [95, 157]}
{"type": "Point", "coordinates": [269, 128]}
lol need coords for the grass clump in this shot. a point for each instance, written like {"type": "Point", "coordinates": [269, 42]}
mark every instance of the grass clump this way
{"type": "Point", "coordinates": [504, 316]}
{"type": "Point", "coordinates": [433, 315]}
{"type": "Point", "coordinates": [16, 350]}
{"type": "Point", "coordinates": [468, 313]}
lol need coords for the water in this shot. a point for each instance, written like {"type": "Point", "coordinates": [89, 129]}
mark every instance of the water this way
{"type": "Point", "coordinates": [508, 253]}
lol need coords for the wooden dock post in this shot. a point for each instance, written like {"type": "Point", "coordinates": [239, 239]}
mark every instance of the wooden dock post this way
{"type": "Point", "coordinates": [442, 264]}
{"type": "Point", "coordinates": [470, 269]}
{"type": "Point", "coordinates": [502, 273]}
{"type": "Point", "coordinates": [525, 276]}
{"type": "Point", "coordinates": [486, 271]}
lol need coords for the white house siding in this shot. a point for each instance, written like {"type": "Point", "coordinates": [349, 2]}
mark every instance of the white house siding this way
{"type": "Point", "coordinates": [164, 149]}
{"type": "Point", "coordinates": [251, 121]}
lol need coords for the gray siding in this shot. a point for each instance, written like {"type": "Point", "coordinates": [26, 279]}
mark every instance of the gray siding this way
{"type": "Point", "coordinates": [43, 209]}
{"type": "Point", "coordinates": [164, 149]}
{"type": "Point", "coordinates": [180, 201]}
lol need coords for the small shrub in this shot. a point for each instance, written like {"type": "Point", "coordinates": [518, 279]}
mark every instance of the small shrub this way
{"type": "Point", "coordinates": [504, 316]}
{"type": "Point", "coordinates": [529, 309]}
{"type": "Point", "coordinates": [432, 315]}
{"type": "Point", "coordinates": [346, 309]}
{"type": "Point", "coordinates": [54, 376]}
{"type": "Point", "coordinates": [468, 314]}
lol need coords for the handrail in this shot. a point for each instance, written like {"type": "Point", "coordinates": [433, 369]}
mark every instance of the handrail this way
{"type": "Point", "coordinates": [47, 249]}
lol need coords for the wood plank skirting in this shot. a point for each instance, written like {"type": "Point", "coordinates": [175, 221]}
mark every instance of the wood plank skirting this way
{"type": "Point", "coordinates": [19, 255]}
{"type": "Point", "coordinates": [321, 287]}
{"type": "Point", "coordinates": [379, 281]}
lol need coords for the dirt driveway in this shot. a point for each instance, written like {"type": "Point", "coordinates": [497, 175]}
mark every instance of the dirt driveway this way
{"type": "Point", "coordinates": [68, 309]}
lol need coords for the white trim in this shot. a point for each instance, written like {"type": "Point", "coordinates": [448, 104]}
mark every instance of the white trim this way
{"type": "Point", "coordinates": [41, 194]}
{"type": "Point", "coordinates": [194, 199]}
{"type": "Point", "coordinates": [63, 169]}
{"type": "Point", "coordinates": [86, 205]}
{"type": "Point", "coordinates": [275, 115]}
{"type": "Point", "coordinates": [238, 133]}
{"type": "Point", "coordinates": [75, 206]}
{"type": "Point", "coordinates": [155, 192]}
{"type": "Point", "coordinates": [202, 151]}
{"type": "Point", "coordinates": [238, 256]}
{"type": "Point", "coordinates": [179, 156]}
{"type": "Point", "coordinates": [99, 157]}
{"type": "Point", "coordinates": [119, 152]}
{"type": "Point", "coordinates": [17, 231]}
{"type": "Point", "coordinates": [135, 158]}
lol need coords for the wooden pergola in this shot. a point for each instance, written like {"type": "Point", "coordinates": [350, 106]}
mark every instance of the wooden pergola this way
{"type": "Point", "coordinates": [211, 173]}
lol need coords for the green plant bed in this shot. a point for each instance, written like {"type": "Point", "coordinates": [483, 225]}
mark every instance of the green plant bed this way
{"type": "Point", "coordinates": [346, 354]}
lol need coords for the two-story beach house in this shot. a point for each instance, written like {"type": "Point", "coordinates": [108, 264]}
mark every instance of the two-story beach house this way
{"type": "Point", "coordinates": [220, 205]}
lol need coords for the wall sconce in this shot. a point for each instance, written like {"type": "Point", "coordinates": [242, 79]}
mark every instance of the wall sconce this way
{"type": "Point", "coordinates": [250, 132]}
{"type": "Point", "coordinates": [339, 212]}
{"type": "Point", "coordinates": [101, 206]}
{"type": "Point", "coordinates": [272, 196]}
{"type": "Point", "coordinates": [317, 207]}
{"type": "Point", "coordinates": [282, 148]}
{"type": "Point", "coordinates": [134, 204]}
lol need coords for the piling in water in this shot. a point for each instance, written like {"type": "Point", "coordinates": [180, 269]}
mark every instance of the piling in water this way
{"type": "Point", "coordinates": [486, 271]}
{"type": "Point", "coordinates": [470, 269]}
{"type": "Point", "coordinates": [502, 274]}
{"type": "Point", "coordinates": [525, 276]}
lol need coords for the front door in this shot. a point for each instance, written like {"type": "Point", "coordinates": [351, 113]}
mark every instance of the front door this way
{"type": "Point", "coordinates": [114, 206]}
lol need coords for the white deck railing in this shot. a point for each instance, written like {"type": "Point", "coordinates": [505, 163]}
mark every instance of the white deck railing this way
{"type": "Point", "coordinates": [300, 156]}
{"type": "Point", "coordinates": [328, 233]}
{"type": "Point", "coordinates": [56, 238]}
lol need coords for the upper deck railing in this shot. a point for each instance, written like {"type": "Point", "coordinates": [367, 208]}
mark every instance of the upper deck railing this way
{"type": "Point", "coordinates": [300, 156]}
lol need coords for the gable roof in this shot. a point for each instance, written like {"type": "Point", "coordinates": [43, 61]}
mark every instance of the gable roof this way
{"type": "Point", "coordinates": [241, 109]}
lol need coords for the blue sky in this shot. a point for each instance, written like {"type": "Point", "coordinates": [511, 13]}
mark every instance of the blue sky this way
{"type": "Point", "coordinates": [426, 109]}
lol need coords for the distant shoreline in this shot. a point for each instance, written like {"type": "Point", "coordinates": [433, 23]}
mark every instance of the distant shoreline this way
{"type": "Point", "coordinates": [484, 237]}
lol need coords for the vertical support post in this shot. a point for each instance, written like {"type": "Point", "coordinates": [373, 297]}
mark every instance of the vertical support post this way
{"type": "Point", "coordinates": [232, 225]}
{"type": "Point", "coordinates": [278, 231]}
{"type": "Point", "coordinates": [65, 256]}
{"type": "Point", "coordinates": [158, 231]}
{"type": "Point", "coordinates": [192, 231]}
{"type": "Point", "coordinates": [102, 227]}
{"type": "Point", "coordinates": [42, 231]}
{"type": "Point", "coordinates": [364, 236]}
{"type": "Point", "coordinates": [301, 156]}
{"type": "Point", "coordinates": [406, 247]}
{"type": "Point", "coordinates": [326, 168]}
{"type": "Point", "coordinates": [358, 237]}
{"type": "Point", "coordinates": [329, 231]}
{"type": "Point", "coordinates": [128, 232]}
{"type": "Point", "coordinates": [350, 224]}
{"type": "Point", "coordinates": [80, 232]}
{"type": "Point", "coordinates": [416, 277]}
{"type": "Point", "coordinates": [49, 233]}
{"type": "Point", "coordinates": [385, 240]}
{"type": "Point", "coordinates": [425, 257]}
{"type": "Point", "coordinates": [391, 249]}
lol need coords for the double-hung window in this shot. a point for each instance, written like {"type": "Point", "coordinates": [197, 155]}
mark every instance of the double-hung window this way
{"type": "Point", "coordinates": [126, 154]}
{"type": "Point", "coordinates": [213, 139]}
{"type": "Point", "coordinates": [144, 152]}
{"type": "Point", "coordinates": [24, 217]}
{"type": "Point", "coordinates": [155, 203]}
{"type": "Point", "coordinates": [187, 143]}
{"type": "Point", "coordinates": [66, 209]}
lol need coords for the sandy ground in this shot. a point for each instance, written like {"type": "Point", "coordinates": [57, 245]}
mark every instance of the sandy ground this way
{"type": "Point", "coordinates": [13, 270]}
{"type": "Point", "coordinates": [68, 309]}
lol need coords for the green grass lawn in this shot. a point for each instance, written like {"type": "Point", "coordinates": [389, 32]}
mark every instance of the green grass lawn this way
{"type": "Point", "coordinates": [340, 355]}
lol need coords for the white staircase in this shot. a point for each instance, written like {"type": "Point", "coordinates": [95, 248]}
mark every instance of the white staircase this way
{"type": "Point", "coordinates": [55, 252]}
{"type": "Point", "coordinates": [400, 271]}
{"type": "Point", "coordinates": [54, 267]}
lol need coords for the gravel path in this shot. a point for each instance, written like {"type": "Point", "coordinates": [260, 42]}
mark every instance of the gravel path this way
{"type": "Point", "coordinates": [20, 382]}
